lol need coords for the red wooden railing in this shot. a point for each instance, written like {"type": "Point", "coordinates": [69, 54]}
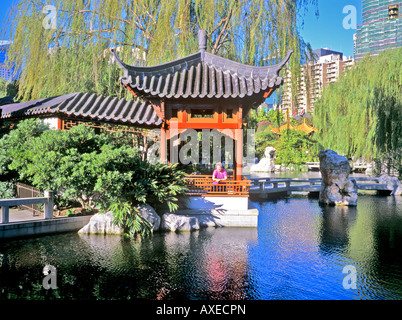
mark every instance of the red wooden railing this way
{"type": "Point", "coordinates": [202, 185]}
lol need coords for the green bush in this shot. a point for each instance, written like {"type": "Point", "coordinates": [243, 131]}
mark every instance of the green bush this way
{"type": "Point", "coordinates": [15, 144]}
{"type": "Point", "coordinates": [127, 217]}
{"type": "Point", "coordinates": [91, 169]}
{"type": "Point", "coordinates": [264, 139]}
{"type": "Point", "coordinates": [295, 147]}
{"type": "Point", "coordinates": [7, 190]}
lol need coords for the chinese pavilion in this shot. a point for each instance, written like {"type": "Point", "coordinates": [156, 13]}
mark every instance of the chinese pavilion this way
{"type": "Point", "coordinates": [202, 91]}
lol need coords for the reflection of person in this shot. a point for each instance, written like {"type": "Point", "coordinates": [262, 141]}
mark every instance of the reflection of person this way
{"type": "Point", "coordinates": [219, 173]}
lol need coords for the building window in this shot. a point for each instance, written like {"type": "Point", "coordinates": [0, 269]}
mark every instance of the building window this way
{"type": "Point", "coordinates": [229, 114]}
{"type": "Point", "coordinates": [202, 113]}
{"type": "Point", "coordinates": [393, 12]}
{"type": "Point", "coordinates": [174, 113]}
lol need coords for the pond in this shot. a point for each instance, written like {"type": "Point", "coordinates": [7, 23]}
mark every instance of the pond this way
{"type": "Point", "coordinates": [298, 251]}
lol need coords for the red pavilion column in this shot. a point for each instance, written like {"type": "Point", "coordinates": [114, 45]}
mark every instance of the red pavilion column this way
{"type": "Point", "coordinates": [238, 154]}
{"type": "Point", "coordinates": [163, 145]}
{"type": "Point", "coordinates": [237, 175]}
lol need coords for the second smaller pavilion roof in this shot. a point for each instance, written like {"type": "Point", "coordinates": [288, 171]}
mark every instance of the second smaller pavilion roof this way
{"type": "Point", "coordinates": [85, 106]}
{"type": "Point", "coordinates": [304, 127]}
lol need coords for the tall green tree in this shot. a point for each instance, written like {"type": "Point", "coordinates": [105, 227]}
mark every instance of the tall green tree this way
{"type": "Point", "coordinates": [361, 114]}
{"type": "Point", "coordinates": [67, 49]}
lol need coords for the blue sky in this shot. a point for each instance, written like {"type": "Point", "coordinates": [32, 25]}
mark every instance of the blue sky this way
{"type": "Point", "coordinates": [326, 31]}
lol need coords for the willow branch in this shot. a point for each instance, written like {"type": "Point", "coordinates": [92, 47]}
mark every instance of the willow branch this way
{"type": "Point", "coordinates": [214, 48]}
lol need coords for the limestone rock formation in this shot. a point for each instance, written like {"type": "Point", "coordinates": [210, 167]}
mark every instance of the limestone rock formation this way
{"type": "Point", "coordinates": [149, 214]}
{"type": "Point", "coordinates": [101, 223]}
{"type": "Point", "coordinates": [336, 188]}
{"type": "Point", "coordinates": [267, 163]}
{"type": "Point", "coordinates": [392, 183]}
{"type": "Point", "coordinates": [173, 222]}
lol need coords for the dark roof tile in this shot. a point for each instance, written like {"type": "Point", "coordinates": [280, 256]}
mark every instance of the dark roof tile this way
{"type": "Point", "coordinates": [85, 105]}
{"type": "Point", "coordinates": [200, 75]}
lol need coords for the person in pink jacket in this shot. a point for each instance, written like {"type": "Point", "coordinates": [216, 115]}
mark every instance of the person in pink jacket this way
{"type": "Point", "coordinates": [219, 174]}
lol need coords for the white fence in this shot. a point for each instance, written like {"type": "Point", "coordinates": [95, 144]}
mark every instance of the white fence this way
{"type": "Point", "coordinates": [47, 200]}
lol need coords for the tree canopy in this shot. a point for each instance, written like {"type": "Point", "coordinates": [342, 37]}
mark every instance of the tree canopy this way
{"type": "Point", "coordinates": [67, 49]}
{"type": "Point", "coordinates": [361, 114]}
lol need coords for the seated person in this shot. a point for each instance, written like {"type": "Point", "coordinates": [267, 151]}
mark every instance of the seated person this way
{"type": "Point", "coordinates": [219, 174]}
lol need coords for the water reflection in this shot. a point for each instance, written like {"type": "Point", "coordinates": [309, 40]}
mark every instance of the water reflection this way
{"type": "Point", "coordinates": [208, 264]}
{"type": "Point", "coordinates": [335, 227]}
{"type": "Point", "coordinates": [298, 251]}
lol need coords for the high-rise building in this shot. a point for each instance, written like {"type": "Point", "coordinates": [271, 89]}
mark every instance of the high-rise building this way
{"type": "Point", "coordinates": [326, 68]}
{"type": "Point", "coordinates": [381, 27]}
{"type": "Point", "coordinates": [5, 71]}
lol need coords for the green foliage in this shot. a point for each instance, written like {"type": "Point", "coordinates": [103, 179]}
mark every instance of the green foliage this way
{"type": "Point", "coordinates": [261, 119]}
{"type": "Point", "coordinates": [137, 181]}
{"type": "Point", "coordinates": [361, 114]}
{"type": "Point", "coordinates": [295, 147]}
{"type": "Point", "coordinates": [8, 89]}
{"type": "Point", "coordinates": [75, 55]}
{"type": "Point", "coordinates": [264, 139]}
{"type": "Point", "coordinates": [81, 166]}
{"type": "Point", "coordinates": [127, 217]}
{"type": "Point", "coordinates": [15, 144]}
{"type": "Point", "coordinates": [62, 161]}
{"type": "Point", "coordinates": [7, 190]}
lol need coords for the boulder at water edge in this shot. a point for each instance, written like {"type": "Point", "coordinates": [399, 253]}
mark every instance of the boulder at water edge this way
{"type": "Point", "coordinates": [102, 223]}
{"type": "Point", "coordinates": [149, 214]}
{"type": "Point", "coordinates": [336, 188]}
{"type": "Point", "coordinates": [173, 222]}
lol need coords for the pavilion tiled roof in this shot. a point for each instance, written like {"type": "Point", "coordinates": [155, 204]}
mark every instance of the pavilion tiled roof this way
{"type": "Point", "coordinates": [286, 126]}
{"type": "Point", "coordinates": [304, 127]}
{"type": "Point", "coordinates": [201, 75]}
{"type": "Point", "coordinates": [86, 106]}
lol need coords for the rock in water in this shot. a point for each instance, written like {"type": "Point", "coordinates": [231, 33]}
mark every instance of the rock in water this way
{"type": "Point", "coordinates": [149, 214]}
{"type": "Point", "coordinates": [173, 222]}
{"type": "Point", "coordinates": [101, 223]}
{"type": "Point", "coordinates": [336, 188]}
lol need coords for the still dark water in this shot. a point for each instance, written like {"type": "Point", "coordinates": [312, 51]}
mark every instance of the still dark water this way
{"type": "Point", "coordinates": [298, 251]}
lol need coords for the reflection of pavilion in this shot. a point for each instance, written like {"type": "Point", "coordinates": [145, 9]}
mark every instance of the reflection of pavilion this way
{"type": "Point", "coordinates": [216, 264]}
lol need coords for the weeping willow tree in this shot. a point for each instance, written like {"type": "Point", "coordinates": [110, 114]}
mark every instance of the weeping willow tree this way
{"type": "Point", "coordinates": [361, 114]}
{"type": "Point", "coordinates": [67, 49]}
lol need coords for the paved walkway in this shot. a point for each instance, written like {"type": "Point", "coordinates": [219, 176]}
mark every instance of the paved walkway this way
{"type": "Point", "coordinates": [22, 215]}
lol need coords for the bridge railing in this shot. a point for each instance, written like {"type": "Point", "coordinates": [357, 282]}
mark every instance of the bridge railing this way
{"type": "Point", "coordinates": [284, 183]}
{"type": "Point", "coordinates": [47, 200]}
{"type": "Point", "coordinates": [299, 184]}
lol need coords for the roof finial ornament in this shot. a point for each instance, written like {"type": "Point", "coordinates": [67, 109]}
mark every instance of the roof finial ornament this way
{"type": "Point", "coordinates": [202, 42]}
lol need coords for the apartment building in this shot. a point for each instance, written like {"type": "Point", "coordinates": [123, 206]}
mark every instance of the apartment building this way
{"type": "Point", "coordinates": [5, 71]}
{"type": "Point", "coordinates": [326, 68]}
